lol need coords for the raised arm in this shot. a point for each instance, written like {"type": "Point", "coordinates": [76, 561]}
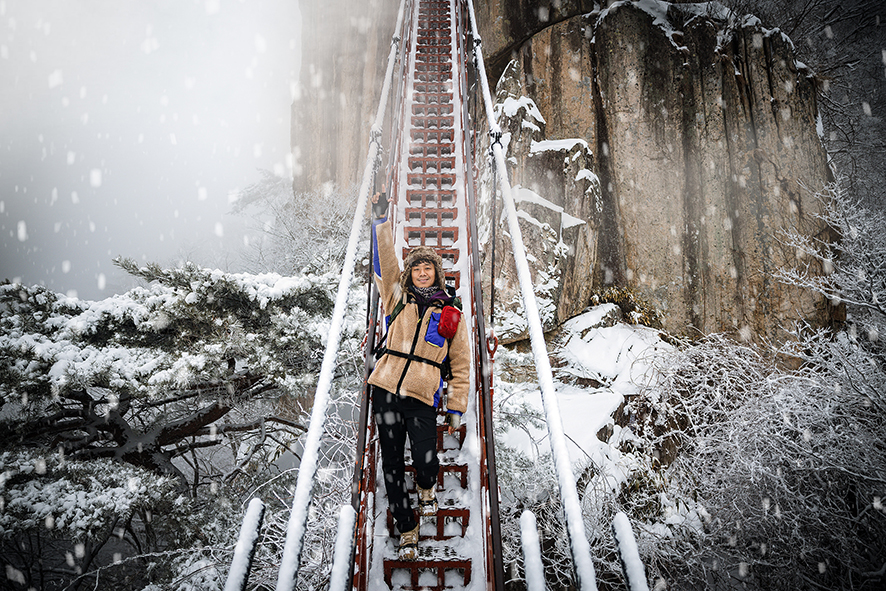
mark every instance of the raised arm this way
{"type": "Point", "coordinates": [385, 266]}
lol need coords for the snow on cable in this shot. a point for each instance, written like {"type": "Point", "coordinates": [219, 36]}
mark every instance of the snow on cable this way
{"type": "Point", "coordinates": [341, 560]}
{"type": "Point", "coordinates": [295, 530]}
{"type": "Point", "coordinates": [635, 572]}
{"type": "Point", "coordinates": [581, 552]}
{"type": "Point", "coordinates": [245, 547]}
{"type": "Point", "coordinates": [532, 565]}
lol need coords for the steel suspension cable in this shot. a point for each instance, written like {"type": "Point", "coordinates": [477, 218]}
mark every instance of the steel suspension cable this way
{"type": "Point", "coordinates": [295, 531]}
{"type": "Point", "coordinates": [578, 542]}
{"type": "Point", "coordinates": [484, 352]}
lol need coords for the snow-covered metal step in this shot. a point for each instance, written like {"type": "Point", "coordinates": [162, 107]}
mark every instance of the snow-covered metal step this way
{"type": "Point", "coordinates": [440, 565]}
{"type": "Point", "coordinates": [451, 521]}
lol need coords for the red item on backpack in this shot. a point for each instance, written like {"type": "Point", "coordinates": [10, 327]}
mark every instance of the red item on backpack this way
{"type": "Point", "coordinates": [449, 318]}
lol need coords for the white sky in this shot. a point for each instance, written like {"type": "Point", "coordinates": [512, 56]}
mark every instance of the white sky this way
{"type": "Point", "coordinates": [125, 125]}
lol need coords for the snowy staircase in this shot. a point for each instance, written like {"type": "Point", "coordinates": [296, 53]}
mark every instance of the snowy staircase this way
{"type": "Point", "coordinates": [431, 211]}
{"type": "Point", "coordinates": [439, 565]}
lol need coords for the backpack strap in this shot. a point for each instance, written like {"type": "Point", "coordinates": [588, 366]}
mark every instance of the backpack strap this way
{"type": "Point", "coordinates": [380, 349]}
{"type": "Point", "coordinates": [456, 301]}
{"type": "Point", "coordinates": [412, 357]}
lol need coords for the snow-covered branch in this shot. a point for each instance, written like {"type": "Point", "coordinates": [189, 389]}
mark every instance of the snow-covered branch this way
{"type": "Point", "coordinates": [772, 471]}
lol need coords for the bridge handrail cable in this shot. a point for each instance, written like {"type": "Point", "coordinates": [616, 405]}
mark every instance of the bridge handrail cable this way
{"type": "Point", "coordinates": [578, 541]}
{"type": "Point", "coordinates": [295, 531]}
{"type": "Point", "coordinates": [489, 476]}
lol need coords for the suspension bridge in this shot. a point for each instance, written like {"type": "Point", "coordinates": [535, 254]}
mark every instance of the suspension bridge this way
{"type": "Point", "coordinates": [435, 65]}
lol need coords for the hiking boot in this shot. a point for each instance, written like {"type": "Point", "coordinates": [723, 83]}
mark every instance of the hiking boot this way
{"type": "Point", "coordinates": [427, 501]}
{"type": "Point", "coordinates": [408, 549]}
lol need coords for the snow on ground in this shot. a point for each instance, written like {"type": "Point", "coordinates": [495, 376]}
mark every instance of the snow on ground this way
{"type": "Point", "coordinates": [600, 361]}
{"type": "Point", "coordinates": [617, 355]}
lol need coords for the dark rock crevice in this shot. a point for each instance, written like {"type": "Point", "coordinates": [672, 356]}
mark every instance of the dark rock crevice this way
{"type": "Point", "coordinates": [611, 270]}
{"type": "Point", "coordinates": [510, 24]}
{"type": "Point", "coordinates": [693, 199]}
{"type": "Point", "coordinates": [762, 208]}
{"type": "Point", "coordinates": [731, 101]}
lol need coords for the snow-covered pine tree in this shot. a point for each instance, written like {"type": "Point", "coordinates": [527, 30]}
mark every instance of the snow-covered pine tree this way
{"type": "Point", "coordinates": [130, 426]}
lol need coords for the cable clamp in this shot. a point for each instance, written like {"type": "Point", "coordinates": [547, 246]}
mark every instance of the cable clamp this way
{"type": "Point", "coordinates": [495, 134]}
{"type": "Point", "coordinates": [375, 134]}
{"type": "Point", "coordinates": [492, 344]}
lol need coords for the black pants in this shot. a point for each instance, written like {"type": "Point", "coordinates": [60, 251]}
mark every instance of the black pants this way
{"type": "Point", "coordinates": [396, 416]}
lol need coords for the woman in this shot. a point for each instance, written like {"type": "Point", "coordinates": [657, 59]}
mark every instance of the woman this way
{"type": "Point", "coordinates": [407, 378]}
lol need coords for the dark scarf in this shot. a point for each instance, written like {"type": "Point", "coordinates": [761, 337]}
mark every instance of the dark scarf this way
{"type": "Point", "coordinates": [425, 296]}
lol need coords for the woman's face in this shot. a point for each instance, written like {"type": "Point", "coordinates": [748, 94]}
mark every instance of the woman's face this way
{"type": "Point", "coordinates": [423, 274]}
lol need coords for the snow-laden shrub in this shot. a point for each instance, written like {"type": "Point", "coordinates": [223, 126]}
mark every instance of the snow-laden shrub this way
{"type": "Point", "coordinates": [853, 351]}
{"type": "Point", "coordinates": [633, 309]}
{"type": "Point", "coordinates": [784, 469]}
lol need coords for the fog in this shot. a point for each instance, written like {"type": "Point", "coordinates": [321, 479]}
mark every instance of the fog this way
{"type": "Point", "coordinates": [125, 127]}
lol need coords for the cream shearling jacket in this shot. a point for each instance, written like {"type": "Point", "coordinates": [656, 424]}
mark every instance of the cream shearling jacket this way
{"type": "Point", "coordinates": [415, 338]}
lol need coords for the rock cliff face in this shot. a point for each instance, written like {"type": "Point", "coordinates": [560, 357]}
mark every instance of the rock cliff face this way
{"type": "Point", "coordinates": [505, 25]}
{"type": "Point", "coordinates": [700, 134]}
{"type": "Point", "coordinates": [654, 146]}
{"type": "Point", "coordinates": [345, 47]}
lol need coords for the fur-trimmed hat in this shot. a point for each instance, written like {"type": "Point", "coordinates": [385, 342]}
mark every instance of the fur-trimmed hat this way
{"type": "Point", "coordinates": [417, 255]}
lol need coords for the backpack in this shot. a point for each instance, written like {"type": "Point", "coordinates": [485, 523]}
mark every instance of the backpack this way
{"type": "Point", "coordinates": [452, 314]}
